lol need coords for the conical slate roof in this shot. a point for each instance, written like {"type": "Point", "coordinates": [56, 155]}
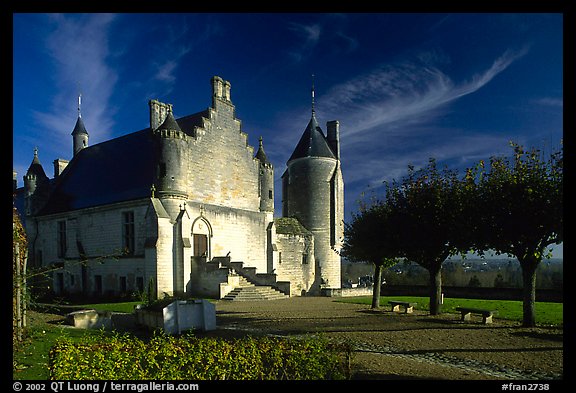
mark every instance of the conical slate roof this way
{"type": "Point", "coordinates": [36, 167]}
{"type": "Point", "coordinates": [79, 127]}
{"type": "Point", "coordinates": [312, 143]}
{"type": "Point", "coordinates": [170, 123]}
{"type": "Point", "coordinates": [260, 154]}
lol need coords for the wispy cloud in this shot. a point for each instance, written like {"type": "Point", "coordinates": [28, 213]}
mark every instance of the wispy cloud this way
{"type": "Point", "coordinates": [174, 48]}
{"type": "Point", "coordinates": [406, 92]}
{"type": "Point", "coordinates": [79, 48]}
{"type": "Point", "coordinates": [550, 101]}
{"type": "Point", "coordinates": [325, 32]}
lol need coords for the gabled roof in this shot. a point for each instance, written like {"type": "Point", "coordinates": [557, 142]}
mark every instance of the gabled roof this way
{"type": "Point", "coordinates": [312, 143]}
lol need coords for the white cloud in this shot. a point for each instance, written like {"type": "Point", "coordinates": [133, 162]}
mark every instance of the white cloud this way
{"type": "Point", "coordinates": [405, 92]}
{"type": "Point", "coordinates": [550, 101]}
{"type": "Point", "coordinates": [79, 48]}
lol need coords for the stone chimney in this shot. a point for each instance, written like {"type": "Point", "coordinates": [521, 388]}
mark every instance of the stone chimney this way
{"type": "Point", "coordinates": [158, 113]}
{"type": "Point", "coordinates": [59, 166]}
{"type": "Point", "coordinates": [333, 136]}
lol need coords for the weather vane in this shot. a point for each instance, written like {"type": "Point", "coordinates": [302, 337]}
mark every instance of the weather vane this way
{"type": "Point", "coordinates": [313, 94]}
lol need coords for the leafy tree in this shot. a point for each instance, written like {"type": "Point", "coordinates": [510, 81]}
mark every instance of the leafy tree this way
{"type": "Point", "coordinates": [426, 220]}
{"type": "Point", "coordinates": [370, 238]}
{"type": "Point", "coordinates": [518, 210]}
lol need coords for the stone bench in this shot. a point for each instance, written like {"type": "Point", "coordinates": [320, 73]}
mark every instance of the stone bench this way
{"type": "Point", "coordinates": [408, 307]}
{"type": "Point", "coordinates": [486, 314]}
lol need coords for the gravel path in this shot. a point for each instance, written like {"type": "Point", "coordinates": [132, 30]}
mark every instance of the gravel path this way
{"type": "Point", "coordinates": [392, 345]}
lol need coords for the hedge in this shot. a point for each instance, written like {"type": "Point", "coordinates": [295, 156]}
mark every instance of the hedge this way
{"type": "Point", "coordinates": [164, 357]}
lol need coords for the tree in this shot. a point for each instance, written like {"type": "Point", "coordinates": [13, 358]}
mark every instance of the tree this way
{"type": "Point", "coordinates": [426, 219]}
{"type": "Point", "coordinates": [19, 259]}
{"type": "Point", "coordinates": [370, 238]}
{"type": "Point", "coordinates": [518, 210]}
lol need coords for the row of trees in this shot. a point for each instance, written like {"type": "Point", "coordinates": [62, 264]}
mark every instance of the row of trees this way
{"type": "Point", "coordinates": [512, 206]}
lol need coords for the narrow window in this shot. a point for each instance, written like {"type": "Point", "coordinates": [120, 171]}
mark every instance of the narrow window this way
{"type": "Point", "coordinates": [269, 194]}
{"type": "Point", "coordinates": [98, 284]}
{"type": "Point", "coordinates": [161, 170]}
{"type": "Point", "coordinates": [61, 239]}
{"type": "Point", "coordinates": [304, 259]}
{"type": "Point", "coordinates": [123, 284]}
{"type": "Point", "coordinates": [128, 237]}
{"type": "Point", "coordinates": [140, 284]}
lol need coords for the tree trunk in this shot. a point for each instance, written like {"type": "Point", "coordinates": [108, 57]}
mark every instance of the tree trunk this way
{"type": "Point", "coordinates": [435, 290]}
{"type": "Point", "coordinates": [376, 287]}
{"type": "Point", "coordinates": [529, 266]}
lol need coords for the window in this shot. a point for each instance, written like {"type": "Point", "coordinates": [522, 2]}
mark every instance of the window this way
{"type": "Point", "coordinates": [123, 284]}
{"type": "Point", "coordinates": [128, 232]}
{"type": "Point", "coordinates": [140, 284]}
{"type": "Point", "coordinates": [304, 259]}
{"type": "Point", "coordinates": [269, 194]}
{"type": "Point", "coordinates": [161, 170]}
{"type": "Point", "coordinates": [61, 239]}
{"type": "Point", "coordinates": [98, 284]}
{"type": "Point", "coordinates": [59, 283]}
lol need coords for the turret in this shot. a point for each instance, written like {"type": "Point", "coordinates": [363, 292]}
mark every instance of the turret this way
{"type": "Point", "coordinates": [313, 193]}
{"type": "Point", "coordinates": [172, 154]}
{"type": "Point", "coordinates": [79, 134]}
{"type": "Point", "coordinates": [266, 180]}
{"type": "Point", "coordinates": [35, 184]}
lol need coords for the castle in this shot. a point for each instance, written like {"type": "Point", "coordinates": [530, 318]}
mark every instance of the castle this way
{"type": "Point", "coordinates": [187, 207]}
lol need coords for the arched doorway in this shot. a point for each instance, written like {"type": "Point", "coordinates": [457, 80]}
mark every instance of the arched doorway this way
{"type": "Point", "coordinates": [201, 238]}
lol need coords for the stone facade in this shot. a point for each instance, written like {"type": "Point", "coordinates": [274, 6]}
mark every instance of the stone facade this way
{"type": "Point", "coordinates": [186, 205]}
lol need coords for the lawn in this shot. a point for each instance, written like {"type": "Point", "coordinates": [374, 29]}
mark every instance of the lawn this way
{"type": "Point", "coordinates": [547, 313]}
{"type": "Point", "coordinates": [31, 358]}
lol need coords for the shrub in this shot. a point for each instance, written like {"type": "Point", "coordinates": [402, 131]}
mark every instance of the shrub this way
{"type": "Point", "coordinates": [188, 357]}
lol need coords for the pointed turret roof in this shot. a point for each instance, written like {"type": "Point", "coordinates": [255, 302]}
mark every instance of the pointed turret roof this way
{"type": "Point", "coordinates": [260, 154]}
{"type": "Point", "coordinates": [36, 167]}
{"type": "Point", "coordinates": [170, 123]}
{"type": "Point", "coordinates": [312, 143]}
{"type": "Point", "coordinates": [79, 127]}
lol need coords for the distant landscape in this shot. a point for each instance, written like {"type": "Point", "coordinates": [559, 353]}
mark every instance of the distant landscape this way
{"type": "Point", "coordinates": [489, 273]}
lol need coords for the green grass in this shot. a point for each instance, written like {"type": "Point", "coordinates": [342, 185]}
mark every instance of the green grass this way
{"type": "Point", "coordinates": [547, 313]}
{"type": "Point", "coordinates": [126, 307]}
{"type": "Point", "coordinates": [31, 357]}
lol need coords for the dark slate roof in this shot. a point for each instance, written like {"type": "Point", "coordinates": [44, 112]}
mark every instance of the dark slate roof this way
{"type": "Point", "coordinates": [79, 127]}
{"type": "Point", "coordinates": [260, 154]}
{"type": "Point", "coordinates": [312, 143]}
{"type": "Point", "coordinates": [170, 123]}
{"type": "Point", "coordinates": [188, 123]}
{"type": "Point", "coordinates": [36, 168]}
{"type": "Point", "coordinates": [118, 170]}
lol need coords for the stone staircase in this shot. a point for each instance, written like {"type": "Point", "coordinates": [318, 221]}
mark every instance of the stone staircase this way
{"type": "Point", "coordinates": [246, 291]}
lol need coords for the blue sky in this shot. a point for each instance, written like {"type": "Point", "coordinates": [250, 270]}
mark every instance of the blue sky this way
{"type": "Point", "coordinates": [405, 87]}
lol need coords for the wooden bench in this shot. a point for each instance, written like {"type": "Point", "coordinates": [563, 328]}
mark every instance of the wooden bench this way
{"type": "Point", "coordinates": [486, 314]}
{"type": "Point", "coordinates": [408, 307]}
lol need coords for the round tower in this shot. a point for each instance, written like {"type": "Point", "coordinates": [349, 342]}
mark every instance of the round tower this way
{"type": "Point", "coordinates": [266, 180]}
{"type": "Point", "coordinates": [312, 193]}
{"type": "Point", "coordinates": [172, 159]}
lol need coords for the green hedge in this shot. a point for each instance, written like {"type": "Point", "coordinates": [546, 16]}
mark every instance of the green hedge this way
{"type": "Point", "coordinates": [165, 357]}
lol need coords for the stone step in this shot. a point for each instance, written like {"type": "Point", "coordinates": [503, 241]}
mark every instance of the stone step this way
{"type": "Point", "coordinates": [254, 292]}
